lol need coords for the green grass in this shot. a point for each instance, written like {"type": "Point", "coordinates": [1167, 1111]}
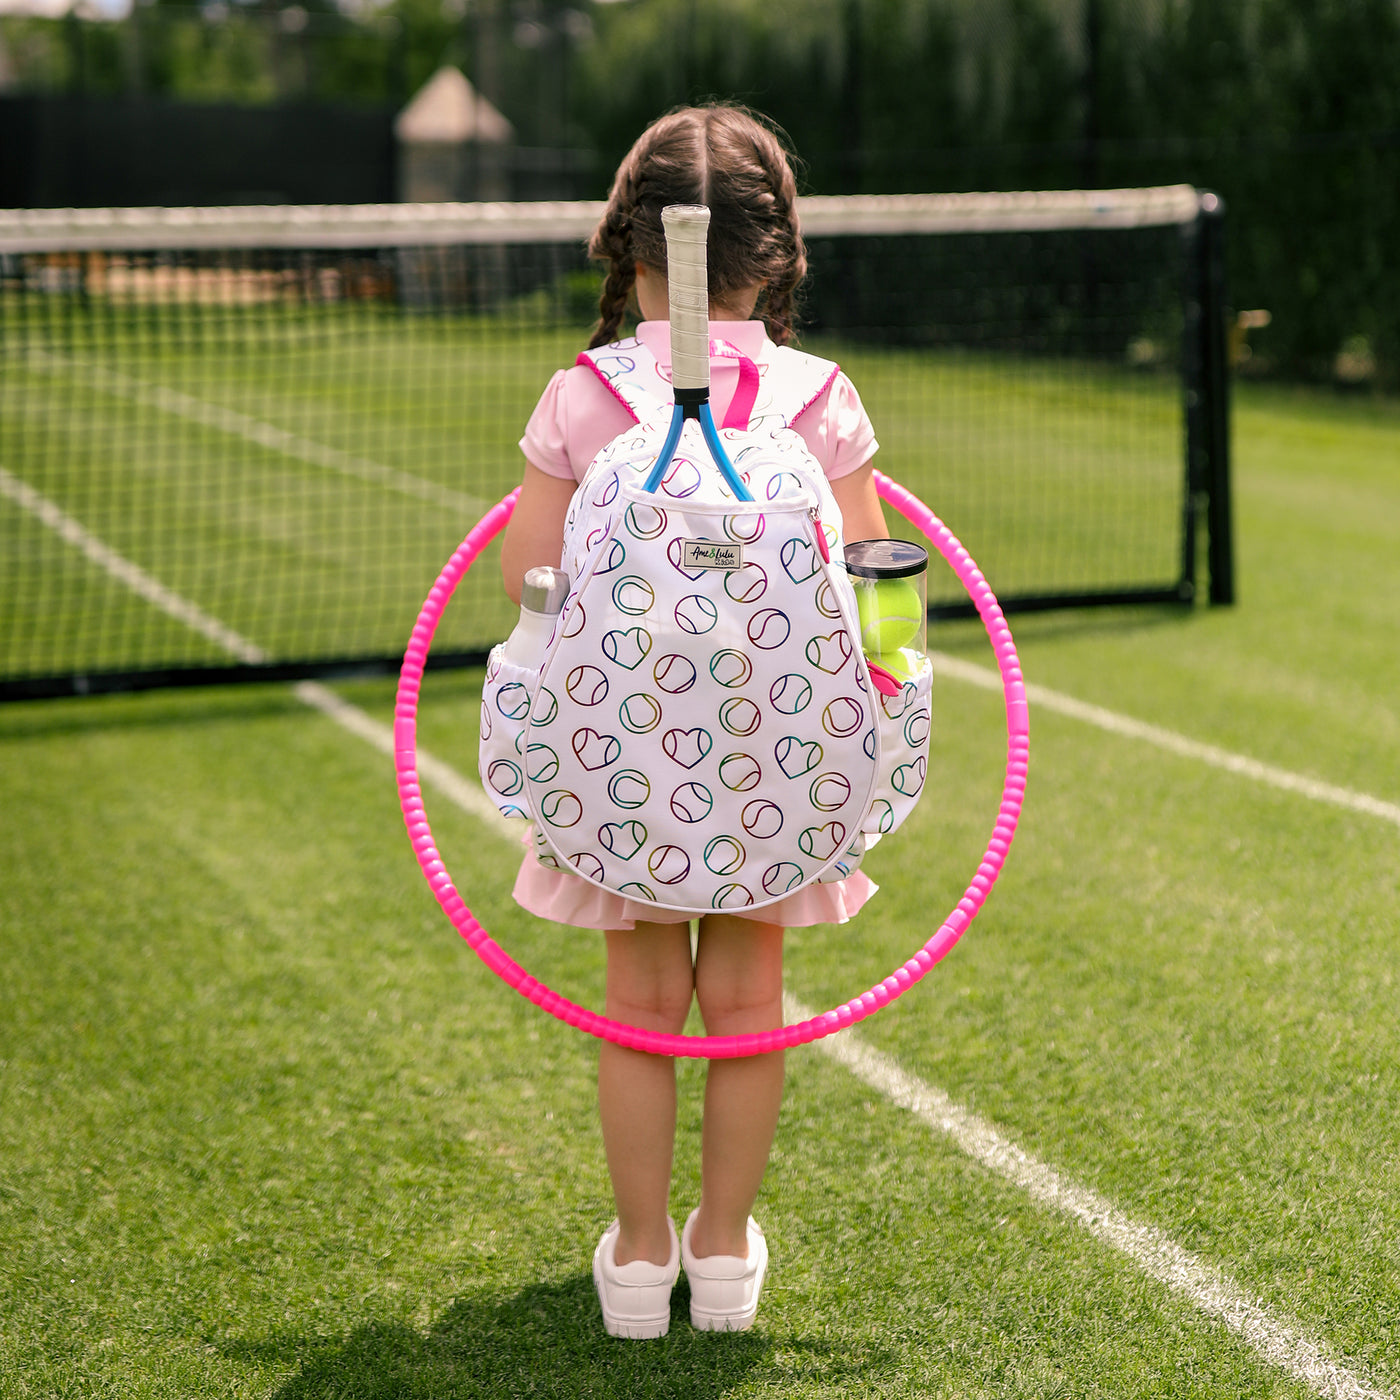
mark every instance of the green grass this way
{"type": "Point", "coordinates": [268, 1129]}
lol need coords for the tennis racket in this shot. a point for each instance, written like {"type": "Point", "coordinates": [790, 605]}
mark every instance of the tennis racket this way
{"type": "Point", "coordinates": [687, 282]}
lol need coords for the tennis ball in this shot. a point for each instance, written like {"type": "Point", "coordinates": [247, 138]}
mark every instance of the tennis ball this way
{"type": "Point", "coordinates": [889, 615]}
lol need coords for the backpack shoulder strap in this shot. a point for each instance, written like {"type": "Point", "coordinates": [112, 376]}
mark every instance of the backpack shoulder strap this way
{"type": "Point", "coordinates": [791, 383]}
{"type": "Point", "coordinates": [631, 374]}
{"type": "Point", "coordinates": [777, 392]}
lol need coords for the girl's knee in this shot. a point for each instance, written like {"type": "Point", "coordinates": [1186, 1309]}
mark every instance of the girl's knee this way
{"type": "Point", "coordinates": [739, 977]}
{"type": "Point", "coordinates": [650, 980]}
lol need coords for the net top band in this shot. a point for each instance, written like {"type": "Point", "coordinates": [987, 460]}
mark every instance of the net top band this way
{"type": "Point", "coordinates": [568, 221]}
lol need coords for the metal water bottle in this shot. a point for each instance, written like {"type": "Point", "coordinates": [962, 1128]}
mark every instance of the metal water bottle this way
{"type": "Point", "coordinates": [541, 597]}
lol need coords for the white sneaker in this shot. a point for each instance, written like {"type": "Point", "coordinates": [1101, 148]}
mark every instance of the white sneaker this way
{"type": "Point", "coordinates": [724, 1289]}
{"type": "Point", "coordinates": [636, 1297]}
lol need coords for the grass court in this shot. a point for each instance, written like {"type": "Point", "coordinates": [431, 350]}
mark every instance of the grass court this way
{"type": "Point", "coordinates": [268, 1129]}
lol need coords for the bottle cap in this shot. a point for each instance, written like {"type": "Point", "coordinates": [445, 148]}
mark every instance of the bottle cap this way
{"type": "Point", "coordinates": [544, 589]}
{"type": "Point", "coordinates": [885, 558]}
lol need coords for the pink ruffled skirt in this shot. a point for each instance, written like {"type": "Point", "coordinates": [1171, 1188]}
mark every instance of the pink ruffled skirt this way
{"type": "Point", "coordinates": [563, 898]}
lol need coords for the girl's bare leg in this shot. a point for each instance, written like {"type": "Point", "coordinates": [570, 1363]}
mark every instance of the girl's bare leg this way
{"type": "Point", "coordinates": [739, 984]}
{"type": "Point", "coordinates": [650, 984]}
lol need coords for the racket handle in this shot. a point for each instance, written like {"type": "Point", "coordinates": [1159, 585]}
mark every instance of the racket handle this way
{"type": "Point", "coordinates": [686, 226]}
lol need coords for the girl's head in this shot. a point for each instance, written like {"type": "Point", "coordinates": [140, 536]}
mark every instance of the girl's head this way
{"type": "Point", "coordinates": [725, 157]}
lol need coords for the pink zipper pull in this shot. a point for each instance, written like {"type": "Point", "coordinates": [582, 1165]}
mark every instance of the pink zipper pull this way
{"type": "Point", "coordinates": [882, 680]}
{"type": "Point", "coordinates": [821, 537]}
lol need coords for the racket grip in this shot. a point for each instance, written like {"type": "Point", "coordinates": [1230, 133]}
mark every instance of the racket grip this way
{"type": "Point", "coordinates": [686, 226]}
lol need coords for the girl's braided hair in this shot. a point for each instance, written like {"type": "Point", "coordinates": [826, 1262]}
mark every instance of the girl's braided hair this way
{"type": "Point", "coordinates": [723, 156]}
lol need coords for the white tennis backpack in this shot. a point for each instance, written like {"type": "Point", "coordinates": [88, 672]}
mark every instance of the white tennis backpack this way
{"type": "Point", "coordinates": [702, 731]}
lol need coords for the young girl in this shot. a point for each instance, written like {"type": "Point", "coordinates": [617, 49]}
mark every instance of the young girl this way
{"type": "Point", "coordinates": [723, 157]}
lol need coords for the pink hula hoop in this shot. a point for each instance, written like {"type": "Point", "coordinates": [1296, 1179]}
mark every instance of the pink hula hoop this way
{"type": "Point", "coordinates": [704, 1046]}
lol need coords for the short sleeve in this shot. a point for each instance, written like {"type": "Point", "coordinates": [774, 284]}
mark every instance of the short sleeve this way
{"type": "Point", "coordinates": [574, 420]}
{"type": "Point", "coordinates": [838, 430]}
{"type": "Point", "coordinates": [545, 442]}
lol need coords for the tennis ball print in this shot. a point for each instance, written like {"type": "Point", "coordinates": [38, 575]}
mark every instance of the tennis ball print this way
{"type": "Point", "coordinates": [826, 601]}
{"type": "Point", "coordinates": [645, 522]}
{"type": "Point", "coordinates": [746, 585]}
{"type": "Point", "coordinates": [740, 772]}
{"type": "Point", "coordinates": [629, 789]}
{"type": "Point", "coordinates": [724, 855]}
{"type": "Point", "coordinates": [740, 717]}
{"type": "Point", "coordinates": [669, 865]}
{"type": "Point", "coordinates": [769, 628]}
{"type": "Point", "coordinates": [633, 595]}
{"type": "Point", "coordinates": [696, 615]}
{"type": "Point", "coordinates": [586, 685]}
{"type": "Point", "coordinates": [790, 694]}
{"type": "Point", "coordinates": [682, 480]}
{"type": "Point", "coordinates": [890, 614]}
{"type": "Point", "coordinates": [588, 865]}
{"type": "Point", "coordinates": [546, 708]}
{"type": "Point", "coordinates": [830, 791]}
{"type": "Point", "coordinates": [916, 728]}
{"type": "Point", "coordinates": [733, 896]}
{"type": "Point", "coordinates": [505, 777]}
{"type": "Point", "coordinates": [743, 529]}
{"type": "Point", "coordinates": [731, 668]}
{"type": "Point", "coordinates": [782, 878]}
{"type": "Point", "coordinates": [675, 674]}
{"type": "Point", "coordinates": [692, 802]}
{"type": "Point", "coordinates": [561, 808]}
{"type": "Point", "coordinates": [572, 619]}
{"type": "Point", "coordinates": [639, 713]}
{"type": "Point", "coordinates": [762, 819]}
{"type": "Point", "coordinates": [513, 700]}
{"type": "Point", "coordinates": [542, 763]}
{"type": "Point", "coordinates": [842, 716]}
{"type": "Point", "coordinates": [617, 553]}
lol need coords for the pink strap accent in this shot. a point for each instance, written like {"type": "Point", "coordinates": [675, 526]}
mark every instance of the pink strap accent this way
{"type": "Point", "coordinates": [741, 405]}
{"type": "Point", "coordinates": [826, 384]}
{"type": "Point", "coordinates": [882, 680]}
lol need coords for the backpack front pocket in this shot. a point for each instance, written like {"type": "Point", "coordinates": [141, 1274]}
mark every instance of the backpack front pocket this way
{"type": "Point", "coordinates": [702, 734]}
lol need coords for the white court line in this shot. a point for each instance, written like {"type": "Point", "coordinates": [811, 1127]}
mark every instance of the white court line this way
{"type": "Point", "coordinates": [1043, 698]}
{"type": "Point", "coordinates": [124, 571]}
{"type": "Point", "coordinates": [235, 424]}
{"type": "Point", "coordinates": [1279, 1340]}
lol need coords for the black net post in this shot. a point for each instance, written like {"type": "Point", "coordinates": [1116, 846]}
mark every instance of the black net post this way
{"type": "Point", "coordinates": [1208, 400]}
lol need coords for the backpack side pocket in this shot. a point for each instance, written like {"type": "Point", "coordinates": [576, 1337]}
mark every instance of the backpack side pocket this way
{"type": "Point", "coordinates": [506, 699]}
{"type": "Point", "coordinates": [905, 720]}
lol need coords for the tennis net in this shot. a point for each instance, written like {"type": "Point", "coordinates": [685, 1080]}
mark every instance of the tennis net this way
{"type": "Point", "coordinates": [240, 443]}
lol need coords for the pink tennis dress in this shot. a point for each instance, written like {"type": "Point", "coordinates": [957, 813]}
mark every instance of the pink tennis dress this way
{"type": "Point", "coordinates": [576, 417]}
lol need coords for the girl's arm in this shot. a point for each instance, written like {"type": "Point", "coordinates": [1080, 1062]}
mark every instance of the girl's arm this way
{"type": "Point", "coordinates": [862, 516]}
{"type": "Point", "coordinates": [535, 534]}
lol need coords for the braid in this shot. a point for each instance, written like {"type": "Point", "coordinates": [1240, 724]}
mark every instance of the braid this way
{"type": "Point", "coordinates": [610, 243]}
